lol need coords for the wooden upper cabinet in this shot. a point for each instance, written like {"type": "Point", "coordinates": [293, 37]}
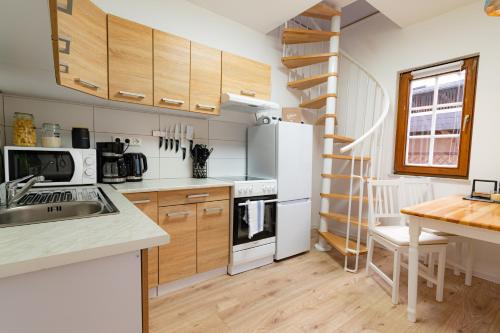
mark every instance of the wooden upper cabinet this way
{"type": "Point", "coordinates": [212, 235]}
{"type": "Point", "coordinates": [130, 58]}
{"type": "Point", "coordinates": [205, 80]}
{"type": "Point", "coordinates": [246, 77]}
{"type": "Point", "coordinates": [172, 63]}
{"type": "Point", "coordinates": [80, 46]}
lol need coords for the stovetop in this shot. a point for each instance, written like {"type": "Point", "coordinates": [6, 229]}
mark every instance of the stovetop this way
{"type": "Point", "coordinates": [247, 186]}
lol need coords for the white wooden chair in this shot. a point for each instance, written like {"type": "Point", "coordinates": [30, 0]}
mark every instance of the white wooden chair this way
{"type": "Point", "coordinates": [383, 205]}
{"type": "Point", "coordinates": [416, 190]}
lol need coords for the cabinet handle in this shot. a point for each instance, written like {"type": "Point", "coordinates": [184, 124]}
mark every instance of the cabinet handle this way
{"type": "Point", "coordinates": [205, 107]}
{"type": "Point", "coordinates": [172, 101]}
{"type": "Point", "coordinates": [193, 196]}
{"type": "Point", "coordinates": [87, 83]}
{"type": "Point", "coordinates": [131, 94]}
{"type": "Point", "coordinates": [213, 210]}
{"type": "Point", "coordinates": [137, 202]}
{"type": "Point", "coordinates": [67, 44]}
{"type": "Point", "coordinates": [68, 9]}
{"type": "Point", "coordinates": [248, 93]}
{"type": "Point", "coordinates": [177, 214]}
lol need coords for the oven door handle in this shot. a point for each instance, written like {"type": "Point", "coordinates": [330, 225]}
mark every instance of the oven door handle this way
{"type": "Point", "coordinates": [265, 202]}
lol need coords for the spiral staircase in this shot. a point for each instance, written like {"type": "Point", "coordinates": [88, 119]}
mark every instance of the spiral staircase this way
{"type": "Point", "coordinates": [352, 107]}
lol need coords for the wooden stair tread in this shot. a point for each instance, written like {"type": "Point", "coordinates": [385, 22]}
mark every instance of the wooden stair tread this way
{"type": "Point", "coordinates": [345, 157]}
{"type": "Point", "coordinates": [310, 81]}
{"type": "Point", "coordinates": [338, 138]}
{"type": "Point", "coordinates": [341, 176]}
{"type": "Point", "coordinates": [338, 243]}
{"type": "Point", "coordinates": [306, 60]}
{"type": "Point", "coordinates": [341, 196]}
{"type": "Point", "coordinates": [299, 36]}
{"type": "Point", "coordinates": [343, 218]}
{"type": "Point", "coordinates": [321, 11]}
{"type": "Point", "coordinates": [321, 119]}
{"type": "Point", "coordinates": [317, 103]}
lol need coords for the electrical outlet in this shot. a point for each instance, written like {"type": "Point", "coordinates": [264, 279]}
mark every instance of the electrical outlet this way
{"type": "Point", "coordinates": [133, 141]}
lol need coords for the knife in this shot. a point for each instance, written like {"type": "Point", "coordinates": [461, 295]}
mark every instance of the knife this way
{"type": "Point", "coordinates": [166, 138]}
{"type": "Point", "coordinates": [190, 136]}
{"type": "Point", "coordinates": [171, 137]}
{"type": "Point", "coordinates": [183, 143]}
{"type": "Point", "coordinates": [177, 136]}
{"type": "Point", "coordinates": [161, 141]}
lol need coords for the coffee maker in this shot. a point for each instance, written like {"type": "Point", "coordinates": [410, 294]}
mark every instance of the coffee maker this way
{"type": "Point", "coordinates": [111, 167]}
{"type": "Point", "coordinates": [137, 164]}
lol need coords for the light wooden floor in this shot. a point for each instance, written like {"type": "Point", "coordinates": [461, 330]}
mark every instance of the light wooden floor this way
{"type": "Point", "coordinates": [312, 293]}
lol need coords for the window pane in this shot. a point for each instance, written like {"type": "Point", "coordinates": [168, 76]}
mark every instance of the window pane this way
{"type": "Point", "coordinates": [451, 88]}
{"type": "Point", "coordinates": [420, 125]}
{"type": "Point", "coordinates": [417, 151]}
{"type": "Point", "coordinates": [422, 92]}
{"type": "Point", "coordinates": [446, 151]}
{"type": "Point", "coordinates": [448, 122]}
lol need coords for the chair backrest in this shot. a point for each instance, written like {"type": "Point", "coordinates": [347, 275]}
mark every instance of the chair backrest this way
{"type": "Point", "coordinates": [416, 190]}
{"type": "Point", "coordinates": [384, 201]}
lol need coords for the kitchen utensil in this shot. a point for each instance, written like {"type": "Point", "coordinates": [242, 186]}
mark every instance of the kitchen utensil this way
{"type": "Point", "coordinates": [170, 140]}
{"type": "Point", "coordinates": [167, 131]}
{"type": "Point", "coordinates": [183, 143]}
{"type": "Point", "coordinates": [177, 134]}
{"type": "Point", "coordinates": [190, 136]}
{"type": "Point", "coordinates": [161, 142]}
{"type": "Point", "coordinates": [80, 137]}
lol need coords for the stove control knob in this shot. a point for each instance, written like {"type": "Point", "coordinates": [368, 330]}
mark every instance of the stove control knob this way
{"type": "Point", "coordinates": [89, 161]}
{"type": "Point", "coordinates": [89, 172]}
{"type": "Point", "coordinates": [250, 190]}
{"type": "Point", "coordinates": [240, 191]}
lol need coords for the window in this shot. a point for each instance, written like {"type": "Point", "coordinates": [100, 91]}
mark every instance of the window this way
{"type": "Point", "coordinates": [434, 121]}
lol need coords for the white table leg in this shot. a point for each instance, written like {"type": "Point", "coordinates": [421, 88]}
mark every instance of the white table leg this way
{"type": "Point", "coordinates": [415, 230]}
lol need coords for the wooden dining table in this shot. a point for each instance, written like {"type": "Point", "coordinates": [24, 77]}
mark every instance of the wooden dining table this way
{"type": "Point", "coordinates": [454, 215]}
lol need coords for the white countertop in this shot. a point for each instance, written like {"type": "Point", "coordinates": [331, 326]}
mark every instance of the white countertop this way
{"type": "Point", "coordinates": [35, 247]}
{"type": "Point", "coordinates": [169, 185]}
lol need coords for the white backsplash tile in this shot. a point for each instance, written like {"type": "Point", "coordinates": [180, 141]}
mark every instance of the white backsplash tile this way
{"type": "Point", "coordinates": [221, 130]}
{"type": "Point", "coordinates": [68, 115]}
{"type": "Point", "coordinates": [200, 125]}
{"type": "Point", "coordinates": [153, 171]}
{"type": "Point", "coordinates": [226, 167]}
{"type": "Point", "coordinates": [176, 168]}
{"type": "Point", "coordinates": [129, 122]}
{"type": "Point", "coordinates": [228, 149]}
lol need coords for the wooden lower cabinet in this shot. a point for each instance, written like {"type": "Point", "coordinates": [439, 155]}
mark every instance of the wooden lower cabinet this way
{"type": "Point", "coordinates": [178, 258]}
{"type": "Point", "coordinates": [212, 233]}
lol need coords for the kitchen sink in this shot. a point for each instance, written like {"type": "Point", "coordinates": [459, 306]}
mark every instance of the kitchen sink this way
{"type": "Point", "coordinates": [34, 208]}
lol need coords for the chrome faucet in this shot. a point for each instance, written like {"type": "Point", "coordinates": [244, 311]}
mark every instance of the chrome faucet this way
{"type": "Point", "coordinates": [9, 192]}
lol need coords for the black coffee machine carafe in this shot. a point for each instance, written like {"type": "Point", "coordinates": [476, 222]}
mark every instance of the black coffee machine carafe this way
{"type": "Point", "coordinates": [111, 167]}
{"type": "Point", "coordinates": [137, 164]}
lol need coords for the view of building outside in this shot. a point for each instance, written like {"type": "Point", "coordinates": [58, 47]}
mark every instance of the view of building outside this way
{"type": "Point", "coordinates": [435, 118]}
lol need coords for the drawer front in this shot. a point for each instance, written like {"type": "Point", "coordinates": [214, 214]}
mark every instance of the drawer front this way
{"type": "Point", "coordinates": [170, 198]}
{"type": "Point", "coordinates": [178, 258]}
{"type": "Point", "coordinates": [212, 235]}
{"type": "Point", "coordinates": [147, 202]}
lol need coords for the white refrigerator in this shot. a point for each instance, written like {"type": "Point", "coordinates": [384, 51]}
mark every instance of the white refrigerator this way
{"type": "Point", "coordinates": [284, 151]}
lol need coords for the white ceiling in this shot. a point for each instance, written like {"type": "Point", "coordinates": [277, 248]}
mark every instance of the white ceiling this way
{"type": "Point", "coordinates": [261, 15]}
{"type": "Point", "coordinates": [407, 12]}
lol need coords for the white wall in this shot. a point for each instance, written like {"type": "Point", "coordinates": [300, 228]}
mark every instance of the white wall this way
{"type": "Point", "coordinates": [385, 50]}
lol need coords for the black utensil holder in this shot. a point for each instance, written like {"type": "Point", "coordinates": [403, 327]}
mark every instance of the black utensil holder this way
{"type": "Point", "coordinates": [199, 170]}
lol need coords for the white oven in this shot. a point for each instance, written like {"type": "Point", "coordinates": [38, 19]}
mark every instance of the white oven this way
{"type": "Point", "coordinates": [59, 166]}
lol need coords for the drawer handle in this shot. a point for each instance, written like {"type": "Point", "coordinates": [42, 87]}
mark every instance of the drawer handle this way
{"type": "Point", "coordinates": [137, 202]}
{"type": "Point", "coordinates": [194, 196]}
{"type": "Point", "coordinates": [172, 101]}
{"type": "Point", "coordinates": [177, 214]}
{"type": "Point", "coordinates": [87, 83]}
{"type": "Point", "coordinates": [67, 44]}
{"type": "Point", "coordinates": [131, 94]}
{"type": "Point", "coordinates": [68, 9]}
{"type": "Point", "coordinates": [205, 107]}
{"type": "Point", "coordinates": [214, 210]}
{"type": "Point", "coordinates": [248, 93]}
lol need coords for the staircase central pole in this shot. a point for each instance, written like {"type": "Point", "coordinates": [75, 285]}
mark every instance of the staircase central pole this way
{"type": "Point", "coordinates": [331, 102]}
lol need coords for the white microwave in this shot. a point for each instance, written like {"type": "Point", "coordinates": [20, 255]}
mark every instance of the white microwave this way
{"type": "Point", "coordinates": [59, 166]}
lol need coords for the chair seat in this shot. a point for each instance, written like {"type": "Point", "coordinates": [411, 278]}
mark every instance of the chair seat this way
{"type": "Point", "coordinates": [400, 235]}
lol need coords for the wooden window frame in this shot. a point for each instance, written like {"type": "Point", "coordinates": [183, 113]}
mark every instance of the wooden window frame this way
{"type": "Point", "coordinates": [462, 170]}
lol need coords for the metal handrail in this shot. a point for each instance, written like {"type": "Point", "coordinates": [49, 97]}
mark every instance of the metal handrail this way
{"type": "Point", "coordinates": [382, 117]}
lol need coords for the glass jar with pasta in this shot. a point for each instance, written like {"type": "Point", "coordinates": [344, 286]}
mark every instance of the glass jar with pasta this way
{"type": "Point", "coordinates": [23, 130]}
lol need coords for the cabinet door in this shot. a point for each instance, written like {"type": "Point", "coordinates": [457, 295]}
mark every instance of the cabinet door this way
{"type": "Point", "coordinates": [205, 79]}
{"type": "Point", "coordinates": [148, 203]}
{"type": "Point", "coordinates": [130, 52]}
{"type": "Point", "coordinates": [243, 76]}
{"type": "Point", "coordinates": [178, 258]}
{"type": "Point", "coordinates": [172, 62]}
{"type": "Point", "coordinates": [212, 235]}
{"type": "Point", "coordinates": [80, 46]}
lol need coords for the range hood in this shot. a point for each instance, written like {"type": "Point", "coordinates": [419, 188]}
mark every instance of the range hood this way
{"type": "Point", "coordinates": [246, 104]}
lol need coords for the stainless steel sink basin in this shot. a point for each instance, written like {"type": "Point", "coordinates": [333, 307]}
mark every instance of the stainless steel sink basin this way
{"type": "Point", "coordinates": [97, 204]}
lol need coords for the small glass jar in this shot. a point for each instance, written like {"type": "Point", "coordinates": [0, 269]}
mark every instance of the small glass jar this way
{"type": "Point", "coordinates": [24, 131]}
{"type": "Point", "coordinates": [51, 135]}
